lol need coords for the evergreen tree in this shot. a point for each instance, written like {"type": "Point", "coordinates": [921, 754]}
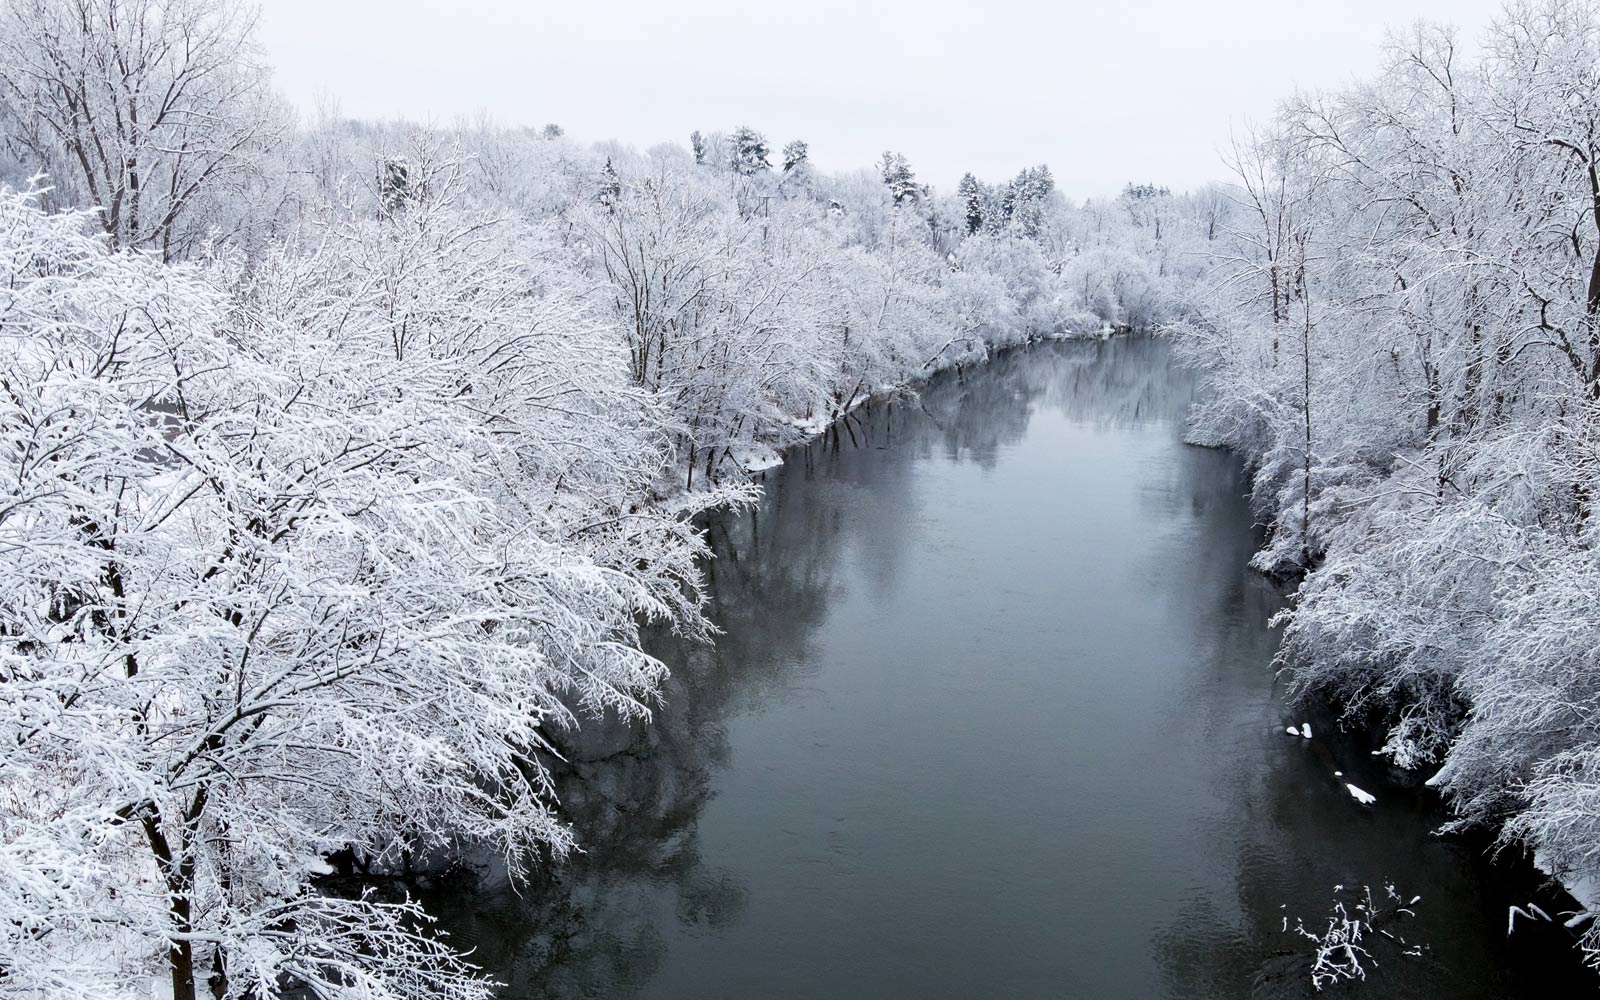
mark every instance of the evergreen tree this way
{"type": "Point", "coordinates": [1144, 192]}
{"type": "Point", "coordinates": [898, 177]}
{"type": "Point", "coordinates": [747, 152]}
{"type": "Point", "coordinates": [697, 142]}
{"type": "Point", "coordinates": [552, 131]}
{"type": "Point", "coordinates": [1044, 180]}
{"type": "Point", "coordinates": [795, 154]}
{"type": "Point", "coordinates": [973, 197]}
{"type": "Point", "coordinates": [1024, 200]}
{"type": "Point", "coordinates": [394, 187]}
{"type": "Point", "coordinates": [610, 186]}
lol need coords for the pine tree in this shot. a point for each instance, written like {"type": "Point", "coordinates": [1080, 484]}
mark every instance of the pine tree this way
{"type": "Point", "coordinates": [1144, 192]}
{"type": "Point", "coordinates": [748, 150]}
{"type": "Point", "coordinates": [1024, 199]}
{"type": "Point", "coordinates": [1044, 180]}
{"type": "Point", "coordinates": [795, 154]}
{"type": "Point", "coordinates": [973, 196]}
{"type": "Point", "coordinates": [898, 177]}
{"type": "Point", "coordinates": [394, 187]}
{"type": "Point", "coordinates": [610, 186]}
{"type": "Point", "coordinates": [697, 142]}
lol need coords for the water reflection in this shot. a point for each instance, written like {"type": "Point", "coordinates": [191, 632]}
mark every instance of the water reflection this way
{"type": "Point", "coordinates": [591, 925]}
{"type": "Point", "coordinates": [992, 713]}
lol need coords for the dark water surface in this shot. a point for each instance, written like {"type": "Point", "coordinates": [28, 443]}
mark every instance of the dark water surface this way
{"type": "Point", "coordinates": [993, 716]}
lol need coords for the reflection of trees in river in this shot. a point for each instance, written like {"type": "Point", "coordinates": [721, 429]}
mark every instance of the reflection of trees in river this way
{"type": "Point", "coordinates": [1114, 383]}
{"type": "Point", "coordinates": [635, 794]}
{"type": "Point", "coordinates": [1123, 382]}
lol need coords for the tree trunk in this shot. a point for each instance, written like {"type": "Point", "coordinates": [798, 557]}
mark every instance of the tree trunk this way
{"type": "Point", "coordinates": [179, 878]}
{"type": "Point", "coordinates": [1305, 501]}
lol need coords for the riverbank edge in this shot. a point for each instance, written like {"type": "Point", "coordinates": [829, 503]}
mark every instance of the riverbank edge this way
{"type": "Point", "coordinates": [814, 429]}
{"type": "Point", "coordinates": [1577, 898]}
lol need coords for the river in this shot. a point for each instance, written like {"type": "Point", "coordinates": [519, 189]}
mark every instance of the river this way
{"type": "Point", "coordinates": [993, 714]}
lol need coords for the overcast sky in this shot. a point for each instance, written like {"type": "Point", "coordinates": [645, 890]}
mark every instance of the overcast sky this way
{"type": "Point", "coordinates": [1105, 92]}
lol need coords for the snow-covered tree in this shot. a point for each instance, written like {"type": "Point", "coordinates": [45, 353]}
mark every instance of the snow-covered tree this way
{"type": "Point", "coordinates": [795, 154]}
{"type": "Point", "coordinates": [1399, 324]}
{"type": "Point", "coordinates": [610, 186]}
{"type": "Point", "coordinates": [747, 152]}
{"type": "Point", "coordinates": [140, 108]}
{"type": "Point", "coordinates": [974, 201]}
{"type": "Point", "coordinates": [302, 559]}
{"type": "Point", "coordinates": [320, 521]}
{"type": "Point", "coordinates": [897, 176]}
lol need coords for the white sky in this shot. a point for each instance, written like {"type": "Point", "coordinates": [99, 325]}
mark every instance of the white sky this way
{"type": "Point", "coordinates": [1105, 92]}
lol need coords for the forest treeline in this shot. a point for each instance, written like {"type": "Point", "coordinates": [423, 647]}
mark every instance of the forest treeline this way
{"type": "Point", "coordinates": [341, 462]}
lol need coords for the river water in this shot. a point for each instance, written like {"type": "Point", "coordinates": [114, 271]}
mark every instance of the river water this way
{"type": "Point", "coordinates": [993, 714]}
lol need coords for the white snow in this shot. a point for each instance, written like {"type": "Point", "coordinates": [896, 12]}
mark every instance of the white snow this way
{"type": "Point", "coordinates": [754, 457]}
{"type": "Point", "coordinates": [1516, 911]}
{"type": "Point", "coordinates": [1584, 888]}
{"type": "Point", "coordinates": [1363, 797]}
